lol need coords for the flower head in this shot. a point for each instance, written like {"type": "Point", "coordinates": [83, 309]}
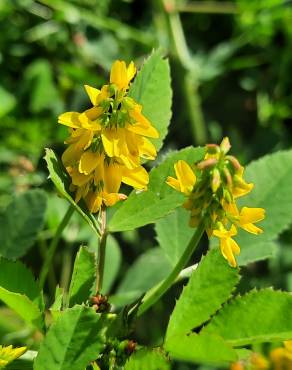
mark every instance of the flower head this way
{"type": "Point", "coordinates": [107, 142]}
{"type": "Point", "coordinates": [212, 187]}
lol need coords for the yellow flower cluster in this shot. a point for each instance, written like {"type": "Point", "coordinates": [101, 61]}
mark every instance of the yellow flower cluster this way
{"type": "Point", "coordinates": [8, 354]}
{"type": "Point", "coordinates": [212, 187]}
{"type": "Point", "coordinates": [107, 142]}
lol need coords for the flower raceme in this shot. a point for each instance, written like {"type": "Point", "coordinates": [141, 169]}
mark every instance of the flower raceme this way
{"type": "Point", "coordinates": [212, 187]}
{"type": "Point", "coordinates": [9, 354]}
{"type": "Point", "coordinates": [108, 141]}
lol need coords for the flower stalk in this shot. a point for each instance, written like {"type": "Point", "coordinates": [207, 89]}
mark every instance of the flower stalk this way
{"type": "Point", "coordinates": [155, 293]}
{"type": "Point", "coordinates": [101, 251]}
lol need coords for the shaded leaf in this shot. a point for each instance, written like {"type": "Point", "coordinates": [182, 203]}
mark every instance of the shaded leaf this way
{"type": "Point", "coordinates": [147, 359]}
{"type": "Point", "coordinates": [20, 223]}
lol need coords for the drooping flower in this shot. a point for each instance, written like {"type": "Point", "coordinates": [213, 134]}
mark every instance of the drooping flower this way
{"type": "Point", "coordinates": [108, 141]}
{"type": "Point", "coordinates": [212, 187]}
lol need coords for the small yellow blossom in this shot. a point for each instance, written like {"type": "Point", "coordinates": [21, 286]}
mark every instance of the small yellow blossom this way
{"type": "Point", "coordinates": [212, 187]}
{"type": "Point", "coordinates": [107, 142]}
{"type": "Point", "coordinates": [9, 354]}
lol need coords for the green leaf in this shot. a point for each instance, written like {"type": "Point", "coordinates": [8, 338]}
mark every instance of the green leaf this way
{"type": "Point", "coordinates": [61, 180]}
{"type": "Point", "coordinates": [159, 200]}
{"type": "Point", "coordinates": [83, 277]}
{"type": "Point", "coordinates": [210, 285]}
{"type": "Point", "coordinates": [113, 259]}
{"type": "Point", "coordinates": [263, 316]}
{"type": "Point", "coordinates": [73, 341]}
{"type": "Point", "coordinates": [202, 348]}
{"type": "Point", "coordinates": [174, 234]}
{"type": "Point", "coordinates": [20, 223]}
{"type": "Point", "coordinates": [147, 359]}
{"type": "Point", "coordinates": [152, 89]}
{"type": "Point", "coordinates": [272, 177]}
{"type": "Point", "coordinates": [20, 292]}
{"type": "Point", "coordinates": [147, 271]}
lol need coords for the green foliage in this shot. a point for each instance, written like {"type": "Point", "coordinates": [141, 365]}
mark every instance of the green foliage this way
{"type": "Point", "coordinates": [8, 101]}
{"type": "Point", "coordinates": [20, 223]}
{"type": "Point", "coordinates": [73, 341]}
{"type": "Point", "coordinates": [263, 316]}
{"type": "Point", "coordinates": [143, 208]}
{"type": "Point", "coordinates": [210, 285]}
{"type": "Point", "coordinates": [147, 271]}
{"type": "Point", "coordinates": [83, 277]}
{"type": "Point", "coordinates": [173, 233]}
{"type": "Point", "coordinates": [202, 348]}
{"type": "Point", "coordinates": [152, 360]}
{"type": "Point", "coordinates": [113, 259]}
{"type": "Point", "coordinates": [272, 177]}
{"type": "Point", "coordinates": [152, 89]}
{"type": "Point", "coordinates": [19, 291]}
{"type": "Point", "coordinates": [61, 181]}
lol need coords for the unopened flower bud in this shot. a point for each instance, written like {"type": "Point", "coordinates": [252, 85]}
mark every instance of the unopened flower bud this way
{"type": "Point", "coordinates": [207, 163]}
{"type": "Point", "coordinates": [216, 180]}
{"type": "Point", "coordinates": [234, 161]}
{"type": "Point", "coordinates": [225, 145]}
{"type": "Point", "coordinates": [228, 177]}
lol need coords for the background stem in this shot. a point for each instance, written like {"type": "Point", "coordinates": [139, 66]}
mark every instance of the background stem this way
{"type": "Point", "coordinates": [155, 293]}
{"type": "Point", "coordinates": [53, 246]}
{"type": "Point", "coordinates": [101, 251]}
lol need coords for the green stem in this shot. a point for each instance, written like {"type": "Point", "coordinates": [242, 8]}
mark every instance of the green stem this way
{"type": "Point", "coordinates": [155, 293]}
{"type": "Point", "coordinates": [53, 246]}
{"type": "Point", "coordinates": [215, 7]}
{"type": "Point", "coordinates": [101, 251]}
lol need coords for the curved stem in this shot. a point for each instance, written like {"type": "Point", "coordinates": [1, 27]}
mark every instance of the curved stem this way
{"type": "Point", "coordinates": [53, 246]}
{"type": "Point", "coordinates": [101, 251]}
{"type": "Point", "coordinates": [155, 293]}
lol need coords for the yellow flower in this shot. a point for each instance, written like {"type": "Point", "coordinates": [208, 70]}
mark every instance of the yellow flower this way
{"type": "Point", "coordinates": [9, 354]}
{"type": "Point", "coordinates": [107, 142]}
{"type": "Point", "coordinates": [228, 246]}
{"type": "Point", "coordinates": [186, 179]}
{"type": "Point", "coordinates": [240, 187]}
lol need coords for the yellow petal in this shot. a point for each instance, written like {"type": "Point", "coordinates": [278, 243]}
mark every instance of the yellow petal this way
{"type": "Point", "coordinates": [93, 94]}
{"type": "Point", "coordinates": [110, 199]}
{"type": "Point", "coordinates": [251, 228]}
{"type": "Point", "coordinates": [88, 162]}
{"type": "Point", "coordinates": [227, 252]}
{"type": "Point", "coordinates": [89, 118]}
{"type": "Point", "coordinates": [142, 126]}
{"type": "Point", "coordinates": [137, 177]}
{"type": "Point", "coordinates": [251, 215]}
{"type": "Point", "coordinates": [93, 202]}
{"type": "Point", "coordinates": [112, 178]}
{"type": "Point", "coordinates": [85, 140]}
{"type": "Point", "coordinates": [71, 155]}
{"type": "Point", "coordinates": [78, 179]}
{"type": "Point", "coordinates": [118, 75]}
{"type": "Point", "coordinates": [114, 142]}
{"type": "Point", "coordinates": [70, 119]}
{"type": "Point", "coordinates": [131, 71]}
{"type": "Point", "coordinates": [174, 183]}
{"type": "Point", "coordinates": [185, 176]}
{"type": "Point", "coordinates": [146, 149]}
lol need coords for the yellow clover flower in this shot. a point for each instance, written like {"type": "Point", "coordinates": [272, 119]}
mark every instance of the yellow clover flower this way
{"type": "Point", "coordinates": [212, 187]}
{"type": "Point", "coordinates": [107, 142]}
{"type": "Point", "coordinates": [9, 354]}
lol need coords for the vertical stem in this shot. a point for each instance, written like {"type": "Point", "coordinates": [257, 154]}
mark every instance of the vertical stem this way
{"type": "Point", "coordinates": [101, 251]}
{"type": "Point", "coordinates": [155, 293]}
{"type": "Point", "coordinates": [53, 246]}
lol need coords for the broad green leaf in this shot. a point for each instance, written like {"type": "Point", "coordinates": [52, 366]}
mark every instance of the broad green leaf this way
{"type": "Point", "coordinates": [174, 234]}
{"type": "Point", "coordinates": [73, 341]}
{"type": "Point", "coordinates": [83, 277]}
{"type": "Point", "coordinates": [20, 223]}
{"type": "Point", "coordinates": [272, 177]}
{"type": "Point", "coordinates": [263, 316]}
{"type": "Point", "coordinates": [209, 287]}
{"type": "Point", "coordinates": [152, 89]}
{"type": "Point", "coordinates": [147, 271]}
{"type": "Point", "coordinates": [147, 359]}
{"type": "Point", "coordinates": [20, 292]}
{"type": "Point", "coordinates": [202, 348]}
{"type": "Point", "coordinates": [159, 200]}
{"type": "Point", "coordinates": [61, 180]}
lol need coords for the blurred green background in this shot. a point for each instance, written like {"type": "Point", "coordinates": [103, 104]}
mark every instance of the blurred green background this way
{"type": "Point", "coordinates": [231, 65]}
